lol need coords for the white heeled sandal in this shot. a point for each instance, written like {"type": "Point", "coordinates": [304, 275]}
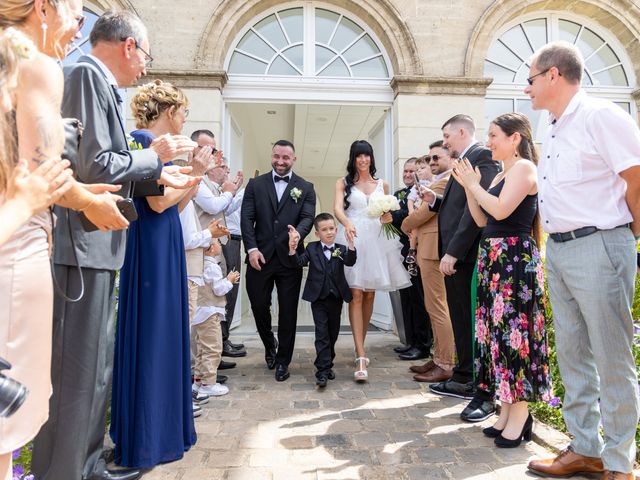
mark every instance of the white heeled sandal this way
{"type": "Point", "coordinates": [361, 374]}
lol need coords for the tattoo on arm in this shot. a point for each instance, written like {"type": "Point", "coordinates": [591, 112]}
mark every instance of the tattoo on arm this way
{"type": "Point", "coordinates": [39, 157]}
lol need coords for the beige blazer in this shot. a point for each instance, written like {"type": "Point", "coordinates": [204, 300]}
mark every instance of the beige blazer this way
{"type": "Point", "coordinates": [426, 222]}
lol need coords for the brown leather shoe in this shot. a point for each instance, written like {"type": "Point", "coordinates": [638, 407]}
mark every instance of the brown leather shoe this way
{"type": "Point", "coordinates": [436, 374]}
{"type": "Point", "coordinates": [609, 475]}
{"type": "Point", "coordinates": [423, 368]}
{"type": "Point", "coordinates": [566, 464]}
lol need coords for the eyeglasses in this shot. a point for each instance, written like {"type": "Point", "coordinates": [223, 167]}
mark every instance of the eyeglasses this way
{"type": "Point", "coordinates": [435, 158]}
{"type": "Point", "coordinates": [530, 79]}
{"type": "Point", "coordinates": [148, 59]}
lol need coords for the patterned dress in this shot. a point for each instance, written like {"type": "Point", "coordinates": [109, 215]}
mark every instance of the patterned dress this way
{"type": "Point", "coordinates": [512, 355]}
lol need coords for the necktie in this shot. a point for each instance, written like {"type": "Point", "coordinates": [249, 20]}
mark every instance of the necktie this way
{"type": "Point", "coordinates": [277, 179]}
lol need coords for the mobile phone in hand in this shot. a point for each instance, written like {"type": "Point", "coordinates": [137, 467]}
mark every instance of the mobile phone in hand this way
{"type": "Point", "coordinates": [126, 208]}
{"type": "Point", "coordinates": [416, 179]}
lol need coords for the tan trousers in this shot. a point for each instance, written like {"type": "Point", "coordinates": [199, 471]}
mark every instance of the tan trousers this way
{"type": "Point", "coordinates": [435, 301]}
{"type": "Point", "coordinates": [192, 288]}
{"type": "Point", "coordinates": [208, 348]}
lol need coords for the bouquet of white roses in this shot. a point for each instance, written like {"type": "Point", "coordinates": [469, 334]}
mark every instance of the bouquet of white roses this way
{"type": "Point", "coordinates": [380, 204]}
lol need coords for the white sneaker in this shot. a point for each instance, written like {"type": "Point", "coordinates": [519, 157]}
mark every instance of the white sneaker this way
{"type": "Point", "coordinates": [195, 386]}
{"type": "Point", "coordinates": [199, 398]}
{"type": "Point", "coordinates": [197, 410]}
{"type": "Point", "coordinates": [213, 389]}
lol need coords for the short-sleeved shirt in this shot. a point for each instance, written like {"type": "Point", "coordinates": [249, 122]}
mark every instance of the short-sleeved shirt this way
{"type": "Point", "coordinates": [583, 153]}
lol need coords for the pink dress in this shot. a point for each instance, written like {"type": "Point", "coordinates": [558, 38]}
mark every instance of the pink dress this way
{"type": "Point", "coordinates": [26, 312]}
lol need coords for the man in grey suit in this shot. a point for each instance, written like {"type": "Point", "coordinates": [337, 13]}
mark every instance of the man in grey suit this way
{"type": "Point", "coordinates": [69, 446]}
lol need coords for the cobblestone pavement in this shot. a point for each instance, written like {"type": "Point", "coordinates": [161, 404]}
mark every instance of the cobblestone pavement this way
{"type": "Point", "coordinates": [388, 428]}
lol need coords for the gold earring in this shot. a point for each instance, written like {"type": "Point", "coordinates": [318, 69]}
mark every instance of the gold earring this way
{"type": "Point", "coordinates": [44, 27]}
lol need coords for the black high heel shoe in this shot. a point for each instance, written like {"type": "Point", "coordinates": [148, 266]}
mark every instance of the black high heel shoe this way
{"type": "Point", "coordinates": [527, 430]}
{"type": "Point", "coordinates": [492, 432]}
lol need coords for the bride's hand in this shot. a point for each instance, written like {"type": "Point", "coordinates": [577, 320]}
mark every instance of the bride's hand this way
{"type": "Point", "coordinates": [386, 218]}
{"type": "Point", "coordinates": [350, 232]}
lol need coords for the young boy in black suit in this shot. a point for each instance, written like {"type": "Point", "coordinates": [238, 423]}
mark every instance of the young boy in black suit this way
{"type": "Point", "coordinates": [326, 288]}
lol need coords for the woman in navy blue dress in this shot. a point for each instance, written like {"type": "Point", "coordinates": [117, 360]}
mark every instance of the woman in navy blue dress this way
{"type": "Point", "coordinates": [151, 409]}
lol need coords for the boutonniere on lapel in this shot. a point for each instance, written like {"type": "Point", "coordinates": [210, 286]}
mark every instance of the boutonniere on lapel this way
{"type": "Point", "coordinates": [295, 193]}
{"type": "Point", "coordinates": [402, 195]}
{"type": "Point", "coordinates": [336, 254]}
{"type": "Point", "coordinates": [132, 144]}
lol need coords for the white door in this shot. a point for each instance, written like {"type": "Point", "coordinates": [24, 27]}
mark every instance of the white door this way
{"type": "Point", "coordinates": [380, 138]}
{"type": "Point", "coordinates": [233, 148]}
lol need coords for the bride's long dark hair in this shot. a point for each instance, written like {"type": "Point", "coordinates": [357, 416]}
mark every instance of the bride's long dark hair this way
{"type": "Point", "coordinates": [359, 147]}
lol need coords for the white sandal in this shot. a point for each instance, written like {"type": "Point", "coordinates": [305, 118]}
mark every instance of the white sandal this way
{"type": "Point", "coordinates": [361, 374]}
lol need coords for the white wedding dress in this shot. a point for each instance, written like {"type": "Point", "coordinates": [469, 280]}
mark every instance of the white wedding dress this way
{"type": "Point", "coordinates": [379, 261]}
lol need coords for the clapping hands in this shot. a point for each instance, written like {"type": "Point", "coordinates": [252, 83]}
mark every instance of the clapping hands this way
{"type": "Point", "coordinates": [465, 174]}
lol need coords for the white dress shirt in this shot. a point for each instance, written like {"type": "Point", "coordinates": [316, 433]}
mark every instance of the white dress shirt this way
{"type": "Point", "coordinates": [584, 151]}
{"type": "Point", "coordinates": [193, 236]}
{"type": "Point", "coordinates": [210, 203]}
{"type": "Point", "coordinates": [232, 213]}
{"type": "Point", "coordinates": [280, 186]}
{"type": "Point", "coordinates": [327, 253]}
{"type": "Point", "coordinates": [219, 284]}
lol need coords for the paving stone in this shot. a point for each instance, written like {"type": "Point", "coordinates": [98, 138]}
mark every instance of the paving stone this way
{"type": "Point", "coordinates": [307, 405]}
{"type": "Point", "coordinates": [433, 472]}
{"type": "Point", "coordinates": [434, 455]}
{"type": "Point", "coordinates": [357, 414]}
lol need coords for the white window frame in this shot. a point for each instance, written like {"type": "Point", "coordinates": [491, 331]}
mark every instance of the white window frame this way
{"type": "Point", "coordinates": [614, 93]}
{"type": "Point", "coordinates": [309, 88]}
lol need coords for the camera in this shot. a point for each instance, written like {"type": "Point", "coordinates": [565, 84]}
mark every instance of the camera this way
{"type": "Point", "coordinates": [12, 392]}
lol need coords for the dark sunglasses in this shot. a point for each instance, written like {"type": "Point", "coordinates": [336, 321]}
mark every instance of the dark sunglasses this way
{"type": "Point", "coordinates": [530, 79]}
{"type": "Point", "coordinates": [435, 158]}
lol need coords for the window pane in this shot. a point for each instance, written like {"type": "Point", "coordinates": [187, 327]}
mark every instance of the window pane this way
{"type": "Point", "coordinates": [323, 55]}
{"type": "Point", "coordinates": [568, 30]}
{"type": "Point", "coordinates": [270, 29]}
{"type": "Point", "coordinates": [522, 75]}
{"type": "Point", "coordinates": [371, 68]}
{"type": "Point", "coordinates": [336, 69]}
{"type": "Point", "coordinates": [345, 34]}
{"type": "Point", "coordinates": [586, 79]}
{"type": "Point", "coordinates": [254, 45]}
{"type": "Point", "coordinates": [613, 76]}
{"type": "Point", "coordinates": [295, 55]}
{"type": "Point", "coordinates": [500, 54]}
{"type": "Point", "coordinates": [523, 105]}
{"type": "Point", "coordinates": [280, 67]}
{"type": "Point", "coordinates": [499, 74]}
{"type": "Point", "coordinates": [363, 48]}
{"type": "Point", "coordinates": [496, 106]}
{"type": "Point", "coordinates": [517, 42]}
{"type": "Point", "coordinates": [246, 65]}
{"type": "Point", "coordinates": [588, 42]}
{"type": "Point", "coordinates": [603, 59]}
{"type": "Point", "coordinates": [626, 106]}
{"type": "Point", "coordinates": [536, 31]}
{"type": "Point", "coordinates": [292, 21]}
{"type": "Point", "coordinates": [325, 23]}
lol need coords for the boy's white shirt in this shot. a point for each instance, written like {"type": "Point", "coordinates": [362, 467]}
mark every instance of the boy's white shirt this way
{"type": "Point", "coordinates": [214, 279]}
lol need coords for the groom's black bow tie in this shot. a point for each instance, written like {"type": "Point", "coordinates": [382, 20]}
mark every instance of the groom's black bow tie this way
{"type": "Point", "coordinates": [116, 93]}
{"type": "Point", "coordinates": [277, 179]}
{"type": "Point", "coordinates": [330, 249]}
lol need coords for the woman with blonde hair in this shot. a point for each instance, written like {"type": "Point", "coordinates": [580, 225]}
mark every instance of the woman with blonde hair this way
{"type": "Point", "coordinates": [151, 407]}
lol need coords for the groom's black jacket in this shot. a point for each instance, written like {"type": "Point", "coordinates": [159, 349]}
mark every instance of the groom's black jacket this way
{"type": "Point", "coordinates": [264, 220]}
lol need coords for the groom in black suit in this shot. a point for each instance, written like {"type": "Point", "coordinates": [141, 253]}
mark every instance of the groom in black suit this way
{"type": "Point", "coordinates": [271, 202]}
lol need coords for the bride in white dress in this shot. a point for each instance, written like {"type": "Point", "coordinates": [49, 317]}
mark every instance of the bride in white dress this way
{"type": "Point", "coordinates": [379, 265]}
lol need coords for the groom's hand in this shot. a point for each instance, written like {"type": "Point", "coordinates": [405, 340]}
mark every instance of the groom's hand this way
{"type": "Point", "coordinates": [294, 238]}
{"type": "Point", "coordinates": [255, 258]}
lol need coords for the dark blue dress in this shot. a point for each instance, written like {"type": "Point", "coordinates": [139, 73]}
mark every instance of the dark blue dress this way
{"type": "Point", "coordinates": [151, 410]}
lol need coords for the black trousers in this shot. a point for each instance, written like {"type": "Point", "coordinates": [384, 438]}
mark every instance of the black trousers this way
{"type": "Point", "coordinates": [231, 252]}
{"type": "Point", "coordinates": [260, 285]}
{"type": "Point", "coordinates": [417, 325]}
{"type": "Point", "coordinates": [326, 318]}
{"type": "Point", "coordinates": [458, 288]}
{"type": "Point", "coordinates": [69, 445]}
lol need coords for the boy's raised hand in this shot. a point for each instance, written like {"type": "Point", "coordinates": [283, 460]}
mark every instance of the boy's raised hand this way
{"type": "Point", "coordinates": [233, 276]}
{"type": "Point", "coordinates": [294, 238]}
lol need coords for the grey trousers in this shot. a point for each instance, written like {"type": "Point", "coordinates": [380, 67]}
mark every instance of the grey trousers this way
{"type": "Point", "coordinates": [591, 285]}
{"type": "Point", "coordinates": [69, 445]}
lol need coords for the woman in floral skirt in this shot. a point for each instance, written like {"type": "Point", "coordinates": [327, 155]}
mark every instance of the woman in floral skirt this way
{"type": "Point", "coordinates": [512, 358]}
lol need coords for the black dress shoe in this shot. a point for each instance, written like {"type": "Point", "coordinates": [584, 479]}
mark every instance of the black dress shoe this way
{"type": "Point", "coordinates": [270, 355]}
{"type": "Point", "coordinates": [237, 346]}
{"type": "Point", "coordinates": [478, 410]}
{"type": "Point", "coordinates": [221, 379]}
{"type": "Point", "coordinates": [331, 375]}
{"type": "Point", "coordinates": [451, 388]}
{"type": "Point", "coordinates": [402, 348]}
{"type": "Point", "coordinates": [124, 474]}
{"type": "Point", "coordinates": [414, 353]}
{"type": "Point", "coordinates": [226, 365]}
{"type": "Point", "coordinates": [229, 351]}
{"type": "Point", "coordinates": [282, 372]}
{"type": "Point", "coordinates": [321, 381]}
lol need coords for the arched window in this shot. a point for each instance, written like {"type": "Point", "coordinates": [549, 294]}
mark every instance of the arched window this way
{"type": "Point", "coordinates": [308, 41]}
{"type": "Point", "coordinates": [607, 73]}
{"type": "Point", "coordinates": [82, 46]}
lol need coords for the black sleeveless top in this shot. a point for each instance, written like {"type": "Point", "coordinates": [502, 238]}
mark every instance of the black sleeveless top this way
{"type": "Point", "coordinates": [520, 222]}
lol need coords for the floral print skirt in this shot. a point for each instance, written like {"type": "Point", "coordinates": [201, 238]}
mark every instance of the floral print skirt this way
{"type": "Point", "coordinates": [511, 350]}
